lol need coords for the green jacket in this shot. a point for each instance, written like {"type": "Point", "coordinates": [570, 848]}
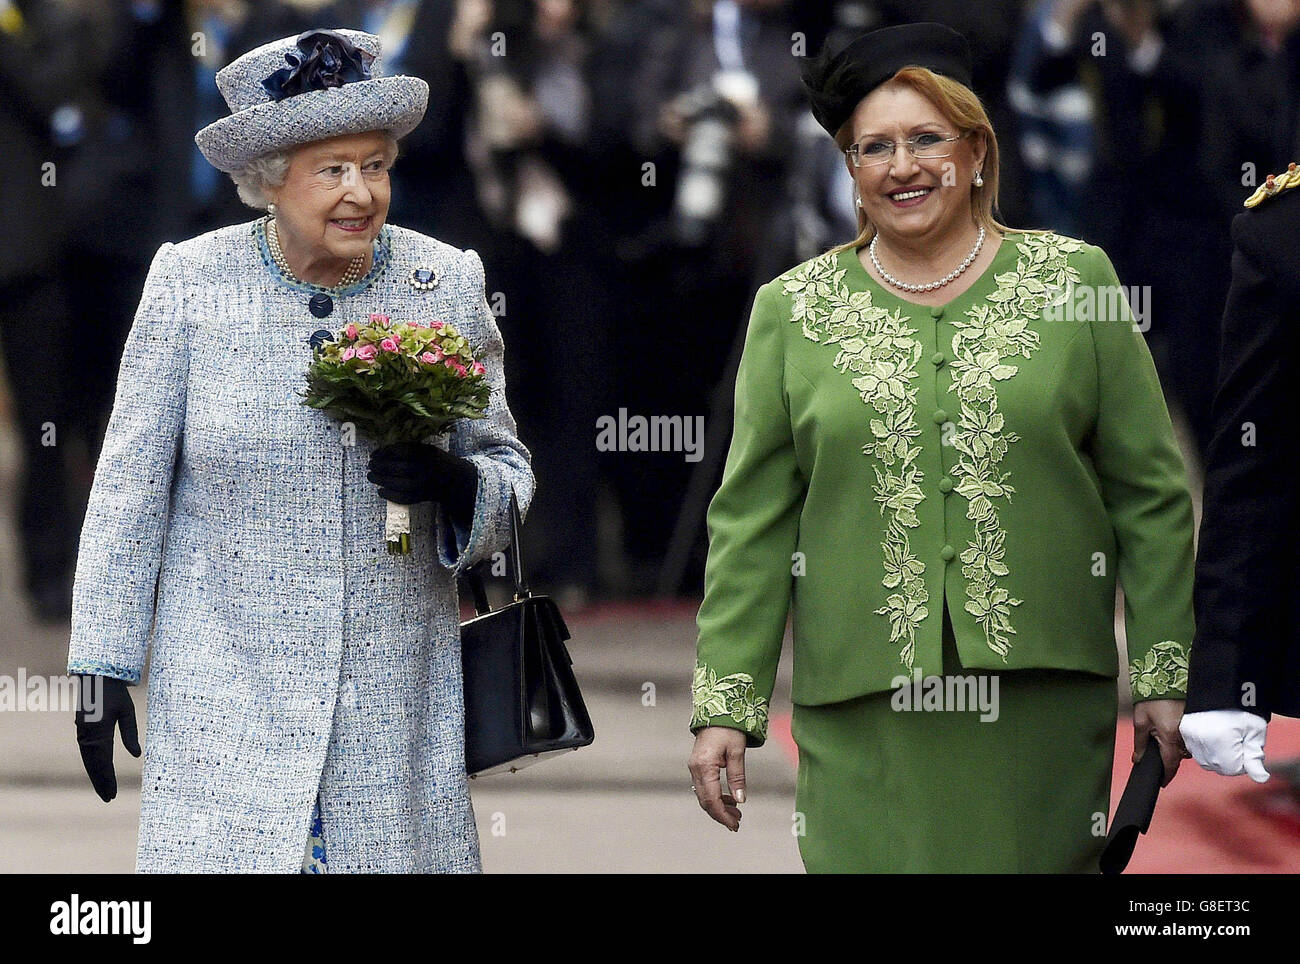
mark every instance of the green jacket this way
{"type": "Point", "coordinates": [1009, 452]}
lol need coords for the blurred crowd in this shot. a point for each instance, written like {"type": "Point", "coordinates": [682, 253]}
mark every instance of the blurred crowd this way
{"type": "Point", "coordinates": [630, 171]}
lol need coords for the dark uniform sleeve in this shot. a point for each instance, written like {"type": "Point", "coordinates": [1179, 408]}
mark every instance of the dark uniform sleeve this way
{"type": "Point", "coordinates": [1250, 476]}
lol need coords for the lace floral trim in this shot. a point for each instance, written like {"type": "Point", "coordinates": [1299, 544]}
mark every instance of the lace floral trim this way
{"type": "Point", "coordinates": [1162, 670]}
{"type": "Point", "coordinates": [734, 696]}
{"type": "Point", "coordinates": [878, 348]}
{"type": "Point", "coordinates": [993, 331]}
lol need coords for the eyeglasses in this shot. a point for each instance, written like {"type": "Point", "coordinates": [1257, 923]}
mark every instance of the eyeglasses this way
{"type": "Point", "coordinates": [929, 144]}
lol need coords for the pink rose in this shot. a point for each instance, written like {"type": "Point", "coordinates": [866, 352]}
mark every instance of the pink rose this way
{"type": "Point", "coordinates": [428, 358]}
{"type": "Point", "coordinates": [351, 332]}
{"type": "Point", "coordinates": [380, 320]}
{"type": "Point", "coordinates": [388, 344]}
{"type": "Point", "coordinates": [479, 369]}
{"type": "Point", "coordinates": [435, 324]}
{"type": "Point", "coordinates": [367, 352]}
{"type": "Point", "coordinates": [348, 353]}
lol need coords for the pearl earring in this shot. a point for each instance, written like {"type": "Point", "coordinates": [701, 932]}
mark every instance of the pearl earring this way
{"type": "Point", "coordinates": [979, 179]}
{"type": "Point", "coordinates": [271, 209]}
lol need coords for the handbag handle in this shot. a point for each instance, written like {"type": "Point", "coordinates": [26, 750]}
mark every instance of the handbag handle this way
{"type": "Point", "coordinates": [476, 587]}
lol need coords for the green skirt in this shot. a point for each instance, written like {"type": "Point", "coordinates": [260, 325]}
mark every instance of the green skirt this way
{"type": "Point", "coordinates": [881, 790]}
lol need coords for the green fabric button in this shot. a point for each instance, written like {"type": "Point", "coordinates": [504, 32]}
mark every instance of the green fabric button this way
{"type": "Point", "coordinates": [940, 416]}
{"type": "Point", "coordinates": [937, 359]}
{"type": "Point", "coordinates": [947, 552]}
{"type": "Point", "coordinates": [936, 311]}
{"type": "Point", "coordinates": [945, 484]}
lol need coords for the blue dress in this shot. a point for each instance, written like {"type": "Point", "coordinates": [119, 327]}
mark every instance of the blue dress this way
{"type": "Point", "coordinates": [314, 860]}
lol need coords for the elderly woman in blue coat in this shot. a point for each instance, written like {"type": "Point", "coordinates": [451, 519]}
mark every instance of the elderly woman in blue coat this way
{"type": "Point", "coordinates": [305, 704]}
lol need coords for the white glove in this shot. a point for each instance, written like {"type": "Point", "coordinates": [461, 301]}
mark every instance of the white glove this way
{"type": "Point", "coordinates": [1229, 742]}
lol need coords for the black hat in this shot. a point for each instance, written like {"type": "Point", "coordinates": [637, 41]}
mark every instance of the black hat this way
{"type": "Point", "coordinates": [837, 80]}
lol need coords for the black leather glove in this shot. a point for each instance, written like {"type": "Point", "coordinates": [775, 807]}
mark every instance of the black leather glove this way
{"type": "Point", "coordinates": [410, 472]}
{"type": "Point", "coordinates": [104, 700]}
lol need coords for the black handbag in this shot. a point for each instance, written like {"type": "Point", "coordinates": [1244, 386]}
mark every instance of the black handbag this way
{"type": "Point", "coordinates": [522, 702]}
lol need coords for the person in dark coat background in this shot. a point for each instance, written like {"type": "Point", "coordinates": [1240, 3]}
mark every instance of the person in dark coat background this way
{"type": "Point", "coordinates": [1245, 660]}
{"type": "Point", "coordinates": [1252, 104]}
{"type": "Point", "coordinates": [717, 105]}
{"type": "Point", "coordinates": [130, 107]}
{"type": "Point", "coordinates": [515, 146]}
{"type": "Point", "coordinates": [1150, 201]}
{"type": "Point", "coordinates": [40, 64]}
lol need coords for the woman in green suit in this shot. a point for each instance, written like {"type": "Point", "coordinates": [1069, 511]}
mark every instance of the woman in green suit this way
{"type": "Point", "coordinates": [949, 443]}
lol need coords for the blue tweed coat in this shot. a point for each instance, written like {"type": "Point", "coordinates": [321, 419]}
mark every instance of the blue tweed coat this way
{"type": "Point", "coordinates": [233, 537]}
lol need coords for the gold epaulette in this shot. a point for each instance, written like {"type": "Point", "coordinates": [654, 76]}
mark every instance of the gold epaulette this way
{"type": "Point", "coordinates": [11, 19]}
{"type": "Point", "coordinates": [1274, 184]}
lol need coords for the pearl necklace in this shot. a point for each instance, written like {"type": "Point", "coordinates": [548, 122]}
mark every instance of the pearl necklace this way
{"type": "Point", "coordinates": [979, 242]}
{"type": "Point", "coordinates": [350, 277]}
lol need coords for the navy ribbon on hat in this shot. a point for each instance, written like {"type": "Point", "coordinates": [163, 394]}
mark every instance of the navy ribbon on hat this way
{"type": "Point", "coordinates": [324, 59]}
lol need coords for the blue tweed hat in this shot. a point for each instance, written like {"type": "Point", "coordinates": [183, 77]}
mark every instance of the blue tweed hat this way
{"type": "Point", "coordinates": [320, 84]}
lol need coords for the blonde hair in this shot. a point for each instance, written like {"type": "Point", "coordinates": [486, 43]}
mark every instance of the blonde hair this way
{"type": "Point", "coordinates": [962, 108]}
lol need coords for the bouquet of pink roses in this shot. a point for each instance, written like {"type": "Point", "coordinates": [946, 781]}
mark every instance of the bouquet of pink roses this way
{"type": "Point", "coordinates": [397, 382]}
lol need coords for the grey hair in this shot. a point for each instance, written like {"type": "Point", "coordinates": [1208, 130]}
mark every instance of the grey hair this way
{"type": "Point", "coordinates": [270, 170]}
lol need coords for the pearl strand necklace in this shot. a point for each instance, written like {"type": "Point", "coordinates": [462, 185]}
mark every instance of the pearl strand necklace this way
{"type": "Point", "coordinates": [350, 277]}
{"type": "Point", "coordinates": [979, 242]}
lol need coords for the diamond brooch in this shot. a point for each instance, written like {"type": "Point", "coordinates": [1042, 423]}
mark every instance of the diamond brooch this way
{"type": "Point", "coordinates": [422, 279]}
